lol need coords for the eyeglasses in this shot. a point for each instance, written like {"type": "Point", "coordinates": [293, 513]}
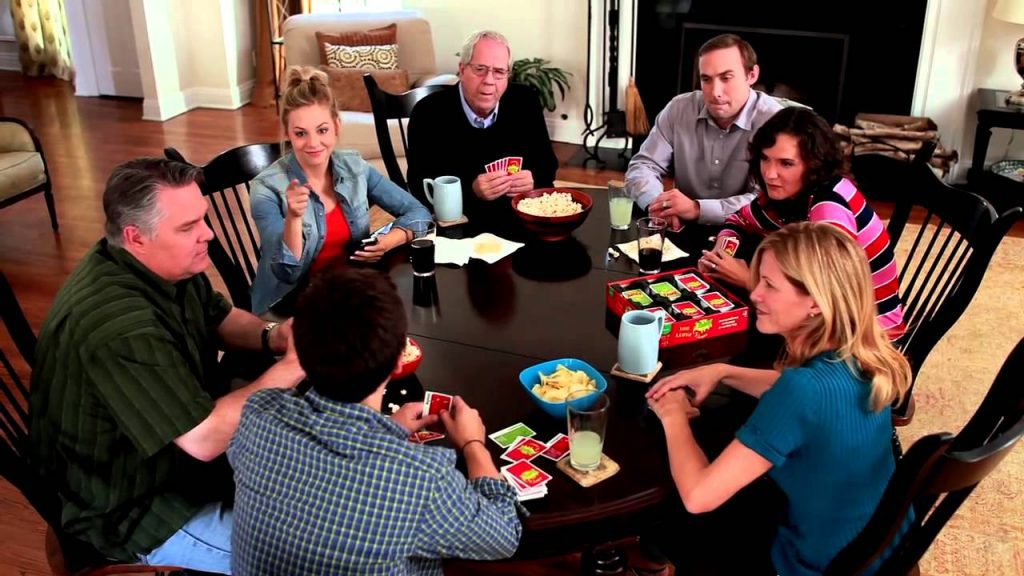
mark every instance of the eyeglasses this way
{"type": "Point", "coordinates": [481, 70]}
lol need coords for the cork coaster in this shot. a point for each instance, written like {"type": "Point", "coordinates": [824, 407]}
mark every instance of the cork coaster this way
{"type": "Point", "coordinates": [647, 378]}
{"type": "Point", "coordinates": [447, 223]}
{"type": "Point", "coordinates": [605, 469]}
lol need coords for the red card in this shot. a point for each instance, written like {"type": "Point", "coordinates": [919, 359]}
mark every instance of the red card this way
{"type": "Point", "coordinates": [424, 436]}
{"type": "Point", "coordinates": [514, 165]}
{"type": "Point", "coordinates": [688, 309]}
{"type": "Point", "coordinates": [435, 402]}
{"type": "Point", "coordinates": [693, 283]}
{"type": "Point", "coordinates": [716, 301]}
{"type": "Point", "coordinates": [524, 449]}
{"type": "Point", "coordinates": [558, 447]}
{"type": "Point", "coordinates": [528, 474]}
{"type": "Point", "coordinates": [728, 244]}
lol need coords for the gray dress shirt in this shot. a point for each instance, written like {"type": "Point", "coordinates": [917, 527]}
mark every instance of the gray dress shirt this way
{"type": "Point", "coordinates": [709, 164]}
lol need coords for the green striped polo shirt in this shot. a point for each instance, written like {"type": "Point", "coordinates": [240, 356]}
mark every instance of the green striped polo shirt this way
{"type": "Point", "coordinates": [126, 363]}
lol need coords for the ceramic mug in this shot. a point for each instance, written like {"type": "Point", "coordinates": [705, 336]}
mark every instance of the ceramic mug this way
{"type": "Point", "coordinates": [639, 333]}
{"type": "Point", "coordinates": [445, 193]}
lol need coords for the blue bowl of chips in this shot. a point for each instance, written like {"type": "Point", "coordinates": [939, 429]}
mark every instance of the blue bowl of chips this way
{"type": "Point", "coordinates": [530, 377]}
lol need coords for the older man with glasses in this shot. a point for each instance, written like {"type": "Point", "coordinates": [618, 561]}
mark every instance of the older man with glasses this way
{"type": "Point", "coordinates": [461, 130]}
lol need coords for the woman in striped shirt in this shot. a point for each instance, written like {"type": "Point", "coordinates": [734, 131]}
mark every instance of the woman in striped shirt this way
{"type": "Point", "coordinates": [800, 179]}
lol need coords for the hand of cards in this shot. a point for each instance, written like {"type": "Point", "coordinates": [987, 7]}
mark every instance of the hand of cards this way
{"type": "Point", "coordinates": [509, 165]}
{"type": "Point", "coordinates": [529, 481]}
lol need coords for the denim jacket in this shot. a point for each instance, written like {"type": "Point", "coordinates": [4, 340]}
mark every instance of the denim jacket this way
{"type": "Point", "coordinates": [357, 186]}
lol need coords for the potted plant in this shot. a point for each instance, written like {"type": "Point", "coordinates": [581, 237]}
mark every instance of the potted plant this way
{"type": "Point", "coordinates": [536, 73]}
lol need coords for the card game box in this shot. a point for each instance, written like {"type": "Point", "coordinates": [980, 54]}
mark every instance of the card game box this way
{"type": "Point", "coordinates": [695, 308]}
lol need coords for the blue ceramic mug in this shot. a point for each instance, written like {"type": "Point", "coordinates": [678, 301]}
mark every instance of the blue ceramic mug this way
{"type": "Point", "coordinates": [445, 193]}
{"type": "Point", "coordinates": [639, 333]}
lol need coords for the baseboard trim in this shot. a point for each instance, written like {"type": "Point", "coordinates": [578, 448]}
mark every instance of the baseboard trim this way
{"type": "Point", "coordinates": [219, 98]}
{"type": "Point", "coordinates": [164, 108]}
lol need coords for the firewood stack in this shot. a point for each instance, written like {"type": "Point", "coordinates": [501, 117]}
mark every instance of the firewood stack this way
{"type": "Point", "coordinates": [897, 136]}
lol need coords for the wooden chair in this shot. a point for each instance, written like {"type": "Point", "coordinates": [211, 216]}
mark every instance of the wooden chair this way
{"type": "Point", "coordinates": [23, 168]}
{"type": "Point", "coordinates": [235, 251]}
{"type": "Point", "coordinates": [936, 476]}
{"type": "Point", "coordinates": [387, 106]}
{"type": "Point", "coordinates": [66, 555]}
{"type": "Point", "coordinates": [948, 258]}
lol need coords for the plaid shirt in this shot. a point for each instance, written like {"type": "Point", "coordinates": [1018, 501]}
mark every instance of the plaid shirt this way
{"type": "Point", "coordinates": [325, 487]}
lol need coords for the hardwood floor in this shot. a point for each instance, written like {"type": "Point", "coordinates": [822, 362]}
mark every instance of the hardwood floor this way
{"type": "Point", "coordinates": [83, 139]}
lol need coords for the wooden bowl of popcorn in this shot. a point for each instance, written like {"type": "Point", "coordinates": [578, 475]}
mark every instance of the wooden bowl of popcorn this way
{"type": "Point", "coordinates": [552, 213]}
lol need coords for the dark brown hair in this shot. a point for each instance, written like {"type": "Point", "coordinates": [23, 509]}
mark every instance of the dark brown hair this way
{"type": "Point", "coordinates": [819, 149]}
{"type": "Point", "coordinates": [349, 331]}
{"type": "Point", "coordinates": [723, 41]}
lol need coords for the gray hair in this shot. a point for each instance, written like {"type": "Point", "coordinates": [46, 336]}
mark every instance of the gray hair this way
{"type": "Point", "coordinates": [470, 44]}
{"type": "Point", "coordinates": [130, 198]}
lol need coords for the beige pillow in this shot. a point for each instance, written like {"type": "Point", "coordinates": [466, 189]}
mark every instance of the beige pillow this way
{"type": "Point", "coordinates": [350, 91]}
{"type": "Point", "coordinates": [384, 57]}
{"type": "Point", "coordinates": [373, 37]}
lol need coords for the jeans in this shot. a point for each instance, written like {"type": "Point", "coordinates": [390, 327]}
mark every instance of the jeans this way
{"type": "Point", "coordinates": [203, 543]}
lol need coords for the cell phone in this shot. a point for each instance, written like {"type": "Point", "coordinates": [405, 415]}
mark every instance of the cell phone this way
{"type": "Point", "coordinates": [371, 241]}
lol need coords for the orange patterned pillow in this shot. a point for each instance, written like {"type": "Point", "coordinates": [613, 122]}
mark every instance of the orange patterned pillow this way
{"type": "Point", "coordinates": [350, 91]}
{"type": "Point", "coordinates": [384, 57]}
{"type": "Point", "coordinates": [373, 37]}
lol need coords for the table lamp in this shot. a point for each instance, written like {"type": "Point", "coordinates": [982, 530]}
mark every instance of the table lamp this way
{"type": "Point", "coordinates": [1013, 11]}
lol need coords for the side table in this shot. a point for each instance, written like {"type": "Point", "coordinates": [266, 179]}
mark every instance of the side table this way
{"type": "Point", "coordinates": [994, 113]}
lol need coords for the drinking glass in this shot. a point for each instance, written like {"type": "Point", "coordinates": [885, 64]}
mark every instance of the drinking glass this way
{"type": "Point", "coordinates": [650, 240]}
{"type": "Point", "coordinates": [423, 234]}
{"type": "Point", "coordinates": [587, 412]}
{"type": "Point", "coordinates": [620, 205]}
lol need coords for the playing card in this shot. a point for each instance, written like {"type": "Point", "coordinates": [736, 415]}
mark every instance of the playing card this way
{"type": "Point", "coordinates": [523, 492]}
{"type": "Point", "coordinates": [557, 448]}
{"type": "Point", "coordinates": [435, 402]}
{"type": "Point", "coordinates": [491, 167]}
{"type": "Point", "coordinates": [716, 301]}
{"type": "Point", "coordinates": [688, 309]}
{"type": "Point", "coordinates": [728, 244]}
{"type": "Point", "coordinates": [508, 436]}
{"type": "Point", "coordinates": [503, 165]}
{"type": "Point", "coordinates": [528, 474]}
{"type": "Point", "coordinates": [524, 449]}
{"type": "Point", "coordinates": [424, 436]}
{"type": "Point", "coordinates": [693, 283]}
{"type": "Point", "coordinates": [514, 165]}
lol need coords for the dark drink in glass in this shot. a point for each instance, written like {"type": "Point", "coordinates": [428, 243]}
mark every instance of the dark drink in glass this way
{"type": "Point", "coordinates": [423, 257]}
{"type": "Point", "coordinates": [650, 239]}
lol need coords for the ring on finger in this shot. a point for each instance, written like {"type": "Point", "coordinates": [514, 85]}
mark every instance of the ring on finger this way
{"type": "Point", "coordinates": [664, 204]}
{"type": "Point", "coordinates": [714, 266]}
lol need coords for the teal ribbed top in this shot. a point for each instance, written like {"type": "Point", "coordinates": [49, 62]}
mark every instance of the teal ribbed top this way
{"type": "Point", "coordinates": [830, 454]}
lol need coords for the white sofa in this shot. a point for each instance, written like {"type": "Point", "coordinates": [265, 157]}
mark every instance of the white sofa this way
{"type": "Point", "coordinates": [415, 54]}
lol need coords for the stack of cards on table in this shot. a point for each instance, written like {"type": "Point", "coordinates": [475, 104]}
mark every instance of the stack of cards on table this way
{"type": "Point", "coordinates": [529, 481]}
{"type": "Point", "coordinates": [508, 165]}
{"type": "Point", "coordinates": [433, 403]}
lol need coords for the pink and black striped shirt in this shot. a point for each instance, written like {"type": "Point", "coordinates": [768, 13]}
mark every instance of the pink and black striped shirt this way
{"type": "Point", "coordinates": [845, 207]}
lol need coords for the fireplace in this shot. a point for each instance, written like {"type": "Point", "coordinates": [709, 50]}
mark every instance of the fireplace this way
{"type": "Point", "coordinates": [838, 58]}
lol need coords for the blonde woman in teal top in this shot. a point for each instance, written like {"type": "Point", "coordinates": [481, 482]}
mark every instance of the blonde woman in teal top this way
{"type": "Point", "coordinates": [822, 426]}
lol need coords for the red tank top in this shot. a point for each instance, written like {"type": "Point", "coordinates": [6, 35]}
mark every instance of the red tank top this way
{"type": "Point", "coordinates": [338, 236]}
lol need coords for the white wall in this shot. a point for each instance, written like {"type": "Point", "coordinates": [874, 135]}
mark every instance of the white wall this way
{"type": "Point", "coordinates": [198, 54]}
{"type": "Point", "coordinates": [8, 46]}
{"type": "Point", "coordinates": [554, 30]}
{"type": "Point", "coordinates": [995, 69]}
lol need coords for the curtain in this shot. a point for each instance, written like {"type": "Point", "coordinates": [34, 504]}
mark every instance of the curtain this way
{"type": "Point", "coordinates": [270, 56]}
{"type": "Point", "coordinates": [41, 28]}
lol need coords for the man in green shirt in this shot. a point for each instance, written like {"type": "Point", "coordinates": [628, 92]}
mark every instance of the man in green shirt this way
{"type": "Point", "coordinates": [128, 417]}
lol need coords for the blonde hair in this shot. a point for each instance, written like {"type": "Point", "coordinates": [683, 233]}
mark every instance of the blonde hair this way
{"type": "Point", "coordinates": [830, 266]}
{"type": "Point", "coordinates": [305, 86]}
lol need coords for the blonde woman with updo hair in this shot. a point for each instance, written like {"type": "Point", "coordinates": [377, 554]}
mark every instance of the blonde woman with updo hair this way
{"type": "Point", "coordinates": [312, 206]}
{"type": "Point", "coordinates": [822, 427]}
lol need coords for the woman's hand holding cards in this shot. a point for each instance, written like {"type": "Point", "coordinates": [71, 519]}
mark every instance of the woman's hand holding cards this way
{"type": "Point", "coordinates": [721, 266]}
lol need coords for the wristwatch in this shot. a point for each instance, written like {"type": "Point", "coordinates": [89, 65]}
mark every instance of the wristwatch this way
{"type": "Point", "coordinates": [265, 337]}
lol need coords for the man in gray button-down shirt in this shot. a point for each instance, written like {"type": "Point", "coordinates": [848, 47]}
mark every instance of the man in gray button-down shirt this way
{"type": "Point", "coordinates": [701, 138]}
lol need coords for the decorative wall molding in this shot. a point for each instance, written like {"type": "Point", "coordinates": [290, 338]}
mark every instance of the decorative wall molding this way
{"type": "Point", "coordinates": [219, 98]}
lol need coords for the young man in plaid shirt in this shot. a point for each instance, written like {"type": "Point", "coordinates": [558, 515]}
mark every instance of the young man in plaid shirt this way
{"type": "Point", "coordinates": [326, 484]}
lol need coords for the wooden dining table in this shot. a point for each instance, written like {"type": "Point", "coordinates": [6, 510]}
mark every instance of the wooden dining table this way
{"type": "Point", "coordinates": [480, 325]}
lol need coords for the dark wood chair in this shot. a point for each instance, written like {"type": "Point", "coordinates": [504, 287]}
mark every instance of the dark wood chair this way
{"type": "Point", "coordinates": [23, 168]}
{"type": "Point", "coordinates": [235, 251]}
{"type": "Point", "coordinates": [936, 476]}
{"type": "Point", "coordinates": [66, 555]}
{"type": "Point", "coordinates": [387, 106]}
{"type": "Point", "coordinates": [948, 258]}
